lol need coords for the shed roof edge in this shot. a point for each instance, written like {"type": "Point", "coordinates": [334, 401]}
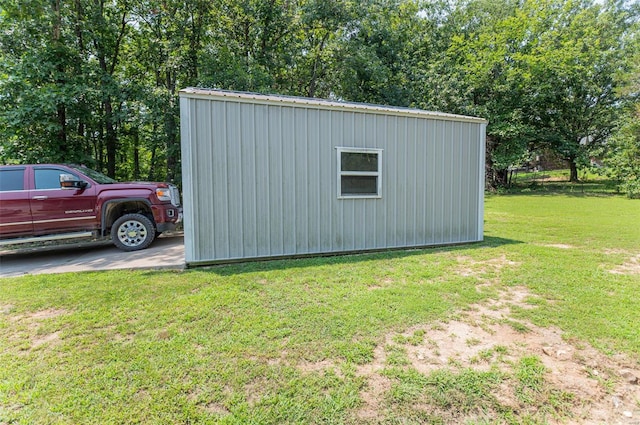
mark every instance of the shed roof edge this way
{"type": "Point", "coordinates": [201, 93]}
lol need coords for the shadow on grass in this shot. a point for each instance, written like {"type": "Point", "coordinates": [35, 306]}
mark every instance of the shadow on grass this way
{"type": "Point", "coordinates": [345, 258]}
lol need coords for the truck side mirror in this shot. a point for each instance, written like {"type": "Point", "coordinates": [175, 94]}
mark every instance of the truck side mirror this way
{"type": "Point", "coordinates": [69, 181]}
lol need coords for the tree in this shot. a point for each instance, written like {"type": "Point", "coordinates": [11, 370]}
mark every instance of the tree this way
{"type": "Point", "coordinates": [544, 73]}
{"type": "Point", "coordinates": [43, 79]}
{"type": "Point", "coordinates": [248, 49]}
{"type": "Point", "coordinates": [574, 68]}
{"type": "Point", "coordinates": [374, 52]}
{"type": "Point", "coordinates": [106, 25]}
{"type": "Point", "coordinates": [312, 70]}
{"type": "Point", "coordinates": [481, 73]}
{"type": "Point", "coordinates": [623, 158]}
{"type": "Point", "coordinates": [622, 151]}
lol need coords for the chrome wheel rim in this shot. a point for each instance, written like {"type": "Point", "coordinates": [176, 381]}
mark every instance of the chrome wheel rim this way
{"type": "Point", "coordinates": [132, 233]}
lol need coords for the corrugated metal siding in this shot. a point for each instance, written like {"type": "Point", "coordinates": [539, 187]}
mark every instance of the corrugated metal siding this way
{"type": "Point", "coordinates": [260, 180]}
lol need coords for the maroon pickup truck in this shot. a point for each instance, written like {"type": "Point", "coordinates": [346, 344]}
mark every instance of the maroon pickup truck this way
{"type": "Point", "coordinates": [50, 202]}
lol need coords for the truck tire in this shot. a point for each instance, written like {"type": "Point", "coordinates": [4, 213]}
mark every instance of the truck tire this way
{"type": "Point", "coordinates": [132, 232]}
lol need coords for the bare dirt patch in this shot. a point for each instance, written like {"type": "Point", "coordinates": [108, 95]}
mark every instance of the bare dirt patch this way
{"type": "Point", "coordinates": [546, 178]}
{"type": "Point", "coordinates": [37, 316]}
{"type": "Point", "coordinates": [30, 330]}
{"type": "Point", "coordinates": [469, 267]}
{"type": "Point", "coordinates": [377, 385]}
{"type": "Point", "coordinates": [596, 389]}
{"type": "Point", "coordinates": [615, 251]}
{"type": "Point", "coordinates": [315, 367]}
{"type": "Point", "coordinates": [6, 308]}
{"type": "Point", "coordinates": [216, 409]}
{"type": "Point", "coordinates": [631, 266]}
{"type": "Point", "coordinates": [210, 406]}
{"type": "Point", "coordinates": [45, 339]}
{"type": "Point", "coordinates": [558, 245]}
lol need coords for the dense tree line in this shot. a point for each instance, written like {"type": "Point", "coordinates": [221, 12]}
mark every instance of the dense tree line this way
{"type": "Point", "coordinates": [96, 81]}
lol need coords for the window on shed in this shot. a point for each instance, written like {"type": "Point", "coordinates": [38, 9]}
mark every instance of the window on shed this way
{"type": "Point", "coordinates": [359, 173]}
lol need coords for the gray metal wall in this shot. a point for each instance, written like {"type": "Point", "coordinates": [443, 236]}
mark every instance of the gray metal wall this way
{"type": "Point", "coordinates": [260, 179]}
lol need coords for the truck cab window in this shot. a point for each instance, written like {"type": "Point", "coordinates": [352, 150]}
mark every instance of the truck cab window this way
{"type": "Point", "coordinates": [48, 178]}
{"type": "Point", "coordinates": [11, 180]}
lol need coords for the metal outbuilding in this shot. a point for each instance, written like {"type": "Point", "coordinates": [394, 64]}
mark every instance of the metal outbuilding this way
{"type": "Point", "coordinates": [272, 176]}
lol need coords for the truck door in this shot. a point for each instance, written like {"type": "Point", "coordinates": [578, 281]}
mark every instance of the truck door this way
{"type": "Point", "coordinates": [57, 210]}
{"type": "Point", "coordinates": [15, 212]}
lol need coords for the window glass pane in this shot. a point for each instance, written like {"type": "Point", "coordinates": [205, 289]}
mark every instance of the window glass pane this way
{"type": "Point", "coordinates": [95, 175]}
{"type": "Point", "coordinates": [359, 185]}
{"type": "Point", "coordinates": [11, 180]}
{"type": "Point", "coordinates": [48, 178]}
{"type": "Point", "coordinates": [352, 161]}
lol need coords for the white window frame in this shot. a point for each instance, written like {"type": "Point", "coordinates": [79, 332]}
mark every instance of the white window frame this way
{"type": "Point", "coordinates": [377, 174]}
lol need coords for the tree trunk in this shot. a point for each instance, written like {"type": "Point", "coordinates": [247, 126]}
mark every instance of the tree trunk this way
{"type": "Point", "coordinates": [316, 64]}
{"type": "Point", "coordinates": [494, 178]}
{"type": "Point", "coordinates": [62, 132]}
{"type": "Point", "coordinates": [111, 138]}
{"type": "Point", "coordinates": [171, 129]}
{"type": "Point", "coordinates": [173, 146]}
{"type": "Point", "coordinates": [136, 154]}
{"type": "Point", "coordinates": [152, 166]}
{"type": "Point", "coordinates": [104, 51]}
{"type": "Point", "coordinates": [99, 148]}
{"type": "Point", "coordinates": [61, 110]}
{"type": "Point", "coordinates": [502, 178]}
{"type": "Point", "coordinates": [573, 177]}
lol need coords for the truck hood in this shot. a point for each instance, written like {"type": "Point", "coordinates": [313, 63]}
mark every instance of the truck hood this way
{"type": "Point", "coordinates": [136, 185]}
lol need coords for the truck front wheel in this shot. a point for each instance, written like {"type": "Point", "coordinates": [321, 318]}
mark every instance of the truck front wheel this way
{"type": "Point", "coordinates": [132, 232]}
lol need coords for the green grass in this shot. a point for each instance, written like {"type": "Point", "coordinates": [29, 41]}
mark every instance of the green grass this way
{"type": "Point", "coordinates": [284, 341]}
{"type": "Point", "coordinates": [569, 244]}
{"type": "Point", "coordinates": [530, 375]}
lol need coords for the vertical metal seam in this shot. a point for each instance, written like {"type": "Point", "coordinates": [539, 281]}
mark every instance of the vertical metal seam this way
{"type": "Point", "coordinates": [225, 105]}
{"type": "Point", "coordinates": [238, 120]}
{"type": "Point", "coordinates": [460, 200]}
{"type": "Point", "coordinates": [319, 183]}
{"type": "Point", "coordinates": [282, 182]}
{"type": "Point", "coordinates": [451, 182]}
{"type": "Point", "coordinates": [481, 178]}
{"type": "Point", "coordinates": [415, 170]}
{"type": "Point", "coordinates": [295, 182]}
{"type": "Point", "coordinates": [307, 178]}
{"type": "Point", "coordinates": [442, 185]}
{"type": "Point", "coordinates": [425, 178]}
{"type": "Point", "coordinates": [209, 154]}
{"type": "Point", "coordinates": [406, 177]}
{"type": "Point", "coordinates": [331, 198]}
{"type": "Point", "coordinates": [254, 210]}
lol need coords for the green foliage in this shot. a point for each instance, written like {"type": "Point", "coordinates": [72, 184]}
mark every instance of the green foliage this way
{"type": "Point", "coordinates": [97, 82]}
{"type": "Point", "coordinates": [545, 75]}
{"type": "Point", "coordinates": [623, 156]}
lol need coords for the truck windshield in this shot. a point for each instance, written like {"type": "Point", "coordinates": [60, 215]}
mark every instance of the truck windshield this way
{"type": "Point", "coordinates": [94, 175]}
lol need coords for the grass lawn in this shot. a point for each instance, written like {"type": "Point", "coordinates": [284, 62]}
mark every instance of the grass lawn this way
{"type": "Point", "coordinates": [331, 340]}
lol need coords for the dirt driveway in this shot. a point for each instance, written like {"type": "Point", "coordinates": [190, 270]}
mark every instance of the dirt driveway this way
{"type": "Point", "coordinates": [166, 252]}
